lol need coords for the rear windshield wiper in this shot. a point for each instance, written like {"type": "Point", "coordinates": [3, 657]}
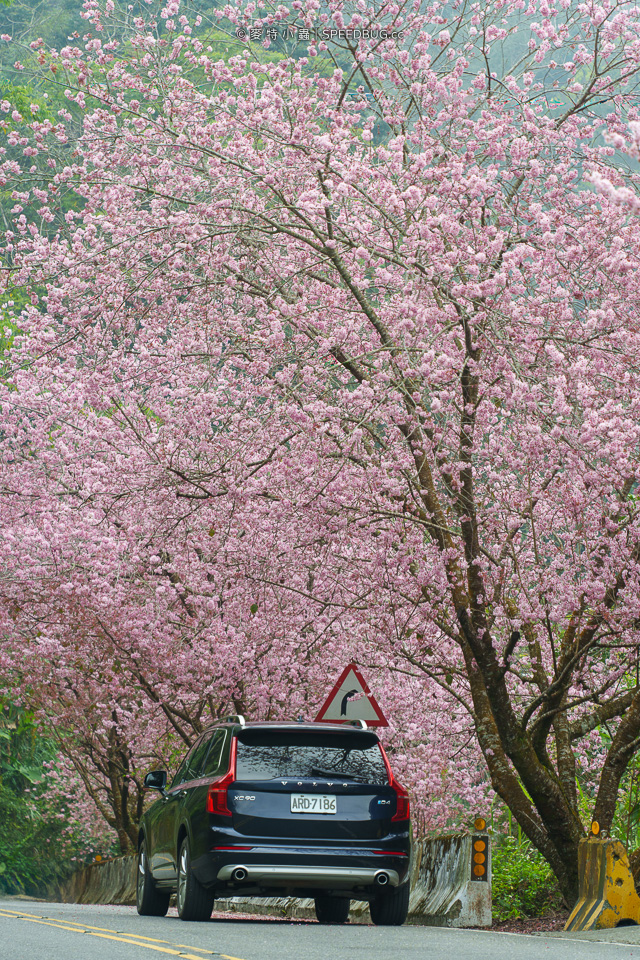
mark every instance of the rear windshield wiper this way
{"type": "Point", "coordinates": [334, 774]}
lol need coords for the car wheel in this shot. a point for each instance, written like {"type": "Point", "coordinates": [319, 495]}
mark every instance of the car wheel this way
{"type": "Point", "coordinates": [150, 901]}
{"type": "Point", "coordinates": [390, 908]}
{"type": "Point", "coordinates": [193, 900]}
{"type": "Point", "coordinates": [332, 909]}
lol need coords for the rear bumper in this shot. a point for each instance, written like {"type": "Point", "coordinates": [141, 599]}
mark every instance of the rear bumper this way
{"type": "Point", "coordinates": [346, 878]}
{"type": "Point", "coordinates": [288, 870]}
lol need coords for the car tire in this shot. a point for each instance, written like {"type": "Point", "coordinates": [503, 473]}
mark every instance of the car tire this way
{"type": "Point", "coordinates": [390, 908]}
{"type": "Point", "coordinates": [194, 901]}
{"type": "Point", "coordinates": [332, 909]}
{"type": "Point", "coordinates": [150, 901]}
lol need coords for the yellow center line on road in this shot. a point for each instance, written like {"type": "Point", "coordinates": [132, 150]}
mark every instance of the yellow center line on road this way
{"type": "Point", "coordinates": [148, 946]}
{"type": "Point", "coordinates": [124, 933]}
{"type": "Point", "coordinates": [107, 934]}
{"type": "Point", "coordinates": [47, 923]}
{"type": "Point", "coordinates": [19, 914]}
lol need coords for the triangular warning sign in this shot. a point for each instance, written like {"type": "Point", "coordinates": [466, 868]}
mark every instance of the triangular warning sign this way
{"type": "Point", "coordinates": [351, 699]}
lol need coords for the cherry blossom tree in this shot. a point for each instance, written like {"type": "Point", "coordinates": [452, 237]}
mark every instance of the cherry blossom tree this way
{"type": "Point", "coordinates": [128, 663]}
{"type": "Point", "coordinates": [340, 351]}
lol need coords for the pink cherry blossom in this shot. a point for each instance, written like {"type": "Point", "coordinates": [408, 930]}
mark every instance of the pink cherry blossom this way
{"type": "Point", "coordinates": [282, 396]}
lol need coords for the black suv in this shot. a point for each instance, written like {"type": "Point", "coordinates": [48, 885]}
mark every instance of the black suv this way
{"type": "Point", "coordinates": [278, 809]}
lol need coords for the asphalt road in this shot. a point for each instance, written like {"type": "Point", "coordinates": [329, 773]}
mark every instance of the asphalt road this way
{"type": "Point", "coordinates": [57, 931]}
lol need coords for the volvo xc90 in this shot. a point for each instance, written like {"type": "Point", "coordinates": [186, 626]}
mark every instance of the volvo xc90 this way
{"type": "Point", "coordinates": [278, 809]}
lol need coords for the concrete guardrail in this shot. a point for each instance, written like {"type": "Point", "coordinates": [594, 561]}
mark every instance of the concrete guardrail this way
{"type": "Point", "coordinates": [112, 881]}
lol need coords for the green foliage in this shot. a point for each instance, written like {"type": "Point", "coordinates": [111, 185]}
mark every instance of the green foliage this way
{"type": "Point", "coordinates": [36, 847]}
{"type": "Point", "coordinates": [523, 883]}
{"type": "Point", "coordinates": [626, 822]}
{"type": "Point", "coordinates": [24, 20]}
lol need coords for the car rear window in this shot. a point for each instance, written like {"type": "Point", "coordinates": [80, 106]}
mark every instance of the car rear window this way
{"type": "Point", "coordinates": [271, 754]}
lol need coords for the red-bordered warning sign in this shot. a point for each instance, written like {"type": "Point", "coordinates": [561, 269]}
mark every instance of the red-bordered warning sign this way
{"type": "Point", "coordinates": [351, 699]}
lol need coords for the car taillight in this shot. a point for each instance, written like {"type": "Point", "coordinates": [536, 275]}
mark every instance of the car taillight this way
{"type": "Point", "coordinates": [217, 795]}
{"type": "Point", "coordinates": [403, 805]}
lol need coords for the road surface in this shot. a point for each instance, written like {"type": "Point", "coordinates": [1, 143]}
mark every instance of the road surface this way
{"type": "Point", "coordinates": [31, 930]}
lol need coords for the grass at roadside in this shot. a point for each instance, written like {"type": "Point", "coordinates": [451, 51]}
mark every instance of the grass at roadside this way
{"type": "Point", "coordinates": [523, 883]}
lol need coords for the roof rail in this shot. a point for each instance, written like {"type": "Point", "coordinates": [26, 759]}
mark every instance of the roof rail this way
{"type": "Point", "coordinates": [357, 723]}
{"type": "Point", "coordinates": [234, 718]}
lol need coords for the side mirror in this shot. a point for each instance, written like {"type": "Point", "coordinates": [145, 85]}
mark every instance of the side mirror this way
{"type": "Point", "coordinates": [156, 780]}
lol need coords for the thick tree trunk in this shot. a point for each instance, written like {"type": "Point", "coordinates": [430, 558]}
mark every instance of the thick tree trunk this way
{"type": "Point", "coordinates": [625, 743]}
{"type": "Point", "coordinates": [543, 811]}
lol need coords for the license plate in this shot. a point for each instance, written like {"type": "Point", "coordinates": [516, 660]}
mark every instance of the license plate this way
{"type": "Point", "coordinates": [313, 803]}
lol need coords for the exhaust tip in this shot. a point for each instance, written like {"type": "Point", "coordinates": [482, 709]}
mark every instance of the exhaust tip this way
{"type": "Point", "coordinates": [239, 874]}
{"type": "Point", "coordinates": [381, 878]}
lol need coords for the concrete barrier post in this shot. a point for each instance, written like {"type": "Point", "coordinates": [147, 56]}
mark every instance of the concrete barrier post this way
{"type": "Point", "coordinates": [451, 881]}
{"type": "Point", "coordinates": [607, 895]}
